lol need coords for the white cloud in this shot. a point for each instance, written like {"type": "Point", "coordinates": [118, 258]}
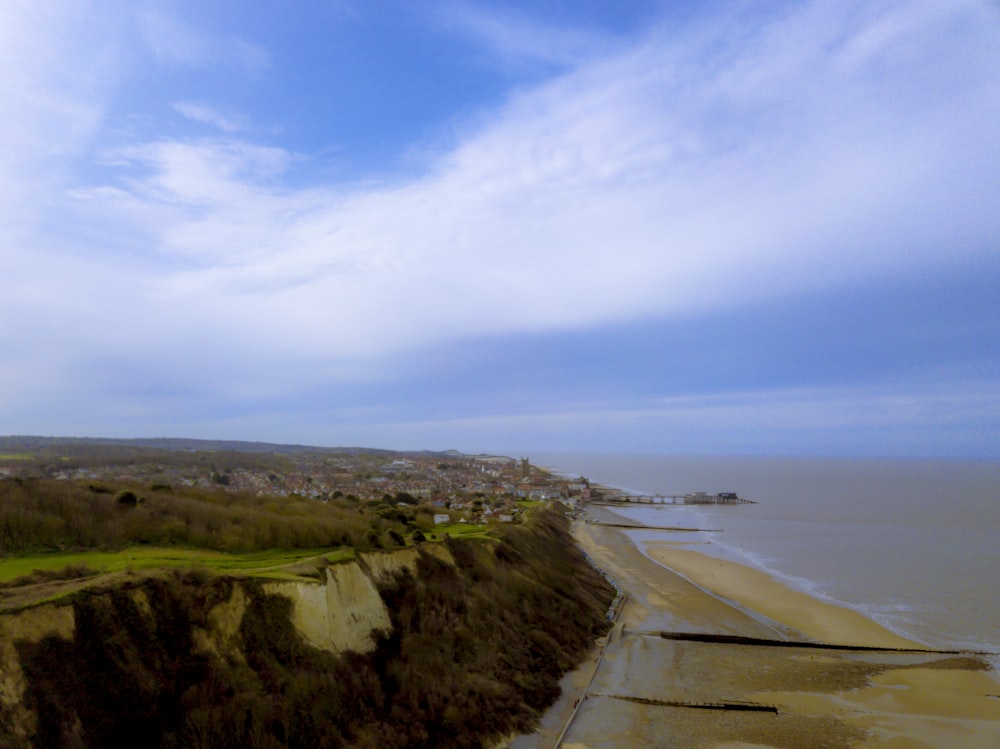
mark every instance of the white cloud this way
{"type": "Point", "coordinates": [227, 123]}
{"type": "Point", "coordinates": [686, 174]}
{"type": "Point", "coordinates": [667, 180]}
{"type": "Point", "coordinates": [175, 42]}
{"type": "Point", "coordinates": [55, 66]}
{"type": "Point", "coordinates": [515, 38]}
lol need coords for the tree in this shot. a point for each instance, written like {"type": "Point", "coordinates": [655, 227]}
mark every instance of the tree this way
{"type": "Point", "coordinates": [127, 498]}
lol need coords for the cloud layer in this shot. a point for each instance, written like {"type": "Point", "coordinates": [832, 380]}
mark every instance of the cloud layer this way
{"type": "Point", "coordinates": [749, 156]}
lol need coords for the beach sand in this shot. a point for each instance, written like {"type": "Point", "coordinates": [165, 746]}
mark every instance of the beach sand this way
{"type": "Point", "coordinates": [650, 692]}
{"type": "Point", "coordinates": [746, 587]}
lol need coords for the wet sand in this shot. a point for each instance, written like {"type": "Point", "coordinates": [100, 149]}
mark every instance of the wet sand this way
{"type": "Point", "coordinates": [654, 692]}
{"type": "Point", "coordinates": [816, 619]}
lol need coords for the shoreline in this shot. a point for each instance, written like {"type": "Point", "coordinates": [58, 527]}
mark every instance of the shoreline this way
{"type": "Point", "coordinates": [768, 597]}
{"type": "Point", "coordinates": [882, 699]}
{"type": "Point", "coordinates": [806, 613]}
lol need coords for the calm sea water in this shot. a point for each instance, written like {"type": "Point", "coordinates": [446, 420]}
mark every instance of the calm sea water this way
{"type": "Point", "coordinates": [914, 544]}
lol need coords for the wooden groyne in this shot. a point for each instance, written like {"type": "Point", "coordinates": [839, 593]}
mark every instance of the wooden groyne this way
{"type": "Point", "coordinates": [634, 527]}
{"type": "Point", "coordinates": [721, 639]}
{"type": "Point", "coordinates": [739, 706]}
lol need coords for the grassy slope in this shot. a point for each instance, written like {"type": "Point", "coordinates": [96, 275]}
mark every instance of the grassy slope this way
{"type": "Point", "coordinates": [144, 557]}
{"type": "Point", "coordinates": [57, 537]}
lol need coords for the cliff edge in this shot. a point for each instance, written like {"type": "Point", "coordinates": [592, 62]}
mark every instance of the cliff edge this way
{"type": "Point", "coordinates": [453, 645]}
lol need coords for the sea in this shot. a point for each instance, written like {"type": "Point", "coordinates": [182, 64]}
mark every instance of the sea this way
{"type": "Point", "coordinates": [912, 544]}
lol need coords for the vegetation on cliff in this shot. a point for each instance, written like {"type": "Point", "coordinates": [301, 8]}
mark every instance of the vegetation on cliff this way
{"type": "Point", "coordinates": [474, 652]}
{"type": "Point", "coordinates": [47, 515]}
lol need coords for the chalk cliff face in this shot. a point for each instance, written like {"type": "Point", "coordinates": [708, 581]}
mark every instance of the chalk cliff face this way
{"type": "Point", "coordinates": [342, 613]}
{"type": "Point", "coordinates": [347, 612]}
{"type": "Point", "coordinates": [446, 645]}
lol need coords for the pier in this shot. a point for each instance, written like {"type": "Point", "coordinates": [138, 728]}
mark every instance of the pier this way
{"type": "Point", "coordinates": [692, 498]}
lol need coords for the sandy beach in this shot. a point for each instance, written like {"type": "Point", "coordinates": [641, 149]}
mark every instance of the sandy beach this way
{"type": "Point", "coordinates": [654, 691]}
{"type": "Point", "coordinates": [815, 619]}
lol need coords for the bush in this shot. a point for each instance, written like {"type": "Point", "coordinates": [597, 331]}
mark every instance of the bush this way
{"type": "Point", "coordinates": [392, 538]}
{"type": "Point", "coordinates": [48, 515]}
{"type": "Point", "coordinates": [127, 498]}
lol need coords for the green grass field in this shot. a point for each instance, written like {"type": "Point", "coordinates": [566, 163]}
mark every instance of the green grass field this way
{"type": "Point", "coordinates": [530, 504]}
{"type": "Point", "coordinates": [267, 564]}
{"type": "Point", "coordinates": [461, 530]}
{"type": "Point", "coordinates": [288, 564]}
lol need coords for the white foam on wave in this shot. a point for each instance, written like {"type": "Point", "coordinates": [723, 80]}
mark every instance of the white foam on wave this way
{"type": "Point", "coordinates": [893, 615]}
{"type": "Point", "coordinates": [896, 616]}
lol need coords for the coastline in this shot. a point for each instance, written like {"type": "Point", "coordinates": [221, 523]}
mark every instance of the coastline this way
{"type": "Point", "coordinates": [647, 690]}
{"type": "Point", "coordinates": [813, 618]}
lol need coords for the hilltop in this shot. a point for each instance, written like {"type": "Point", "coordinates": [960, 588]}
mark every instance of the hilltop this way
{"type": "Point", "coordinates": [94, 445]}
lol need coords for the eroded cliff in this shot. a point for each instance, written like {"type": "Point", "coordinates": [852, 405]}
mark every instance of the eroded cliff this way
{"type": "Point", "coordinates": [439, 645]}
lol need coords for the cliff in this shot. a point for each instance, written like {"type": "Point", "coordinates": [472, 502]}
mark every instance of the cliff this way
{"type": "Point", "coordinates": [450, 645]}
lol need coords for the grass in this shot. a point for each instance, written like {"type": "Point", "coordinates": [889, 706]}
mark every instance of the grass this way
{"type": "Point", "coordinates": [266, 564]}
{"type": "Point", "coordinates": [16, 456]}
{"type": "Point", "coordinates": [530, 504]}
{"type": "Point", "coordinates": [462, 530]}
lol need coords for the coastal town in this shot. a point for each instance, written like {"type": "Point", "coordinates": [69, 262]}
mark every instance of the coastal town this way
{"type": "Point", "coordinates": [470, 488]}
{"type": "Point", "coordinates": [459, 487]}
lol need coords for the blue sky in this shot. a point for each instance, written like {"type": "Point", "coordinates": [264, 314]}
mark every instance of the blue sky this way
{"type": "Point", "coordinates": [654, 227]}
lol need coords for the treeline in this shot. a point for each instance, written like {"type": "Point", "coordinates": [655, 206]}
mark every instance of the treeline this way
{"type": "Point", "coordinates": [475, 653]}
{"type": "Point", "coordinates": [47, 515]}
{"type": "Point", "coordinates": [60, 445]}
{"type": "Point", "coordinates": [48, 460]}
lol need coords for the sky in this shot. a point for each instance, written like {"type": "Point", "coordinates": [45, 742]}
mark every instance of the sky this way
{"type": "Point", "coordinates": [589, 226]}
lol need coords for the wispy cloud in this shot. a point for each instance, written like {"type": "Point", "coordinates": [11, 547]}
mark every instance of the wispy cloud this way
{"type": "Point", "coordinates": [57, 73]}
{"type": "Point", "coordinates": [513, 38]}
{"type": "Point", "coordinates": [763, 156]}
{"type": "Point", "coordinates": [227, 123]}
{"type": "Point", "coordinates": [174, 42]}
{"type": "Point", "coordinates": [662, 181]}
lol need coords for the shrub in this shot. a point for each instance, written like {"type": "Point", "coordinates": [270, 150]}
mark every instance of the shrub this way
{"type": "Point", "coordinates": [127, 498]}
{"type": "Point", "coordinates": [43, 515]}
{"type": "Point", "coordinates": [392, 538]}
